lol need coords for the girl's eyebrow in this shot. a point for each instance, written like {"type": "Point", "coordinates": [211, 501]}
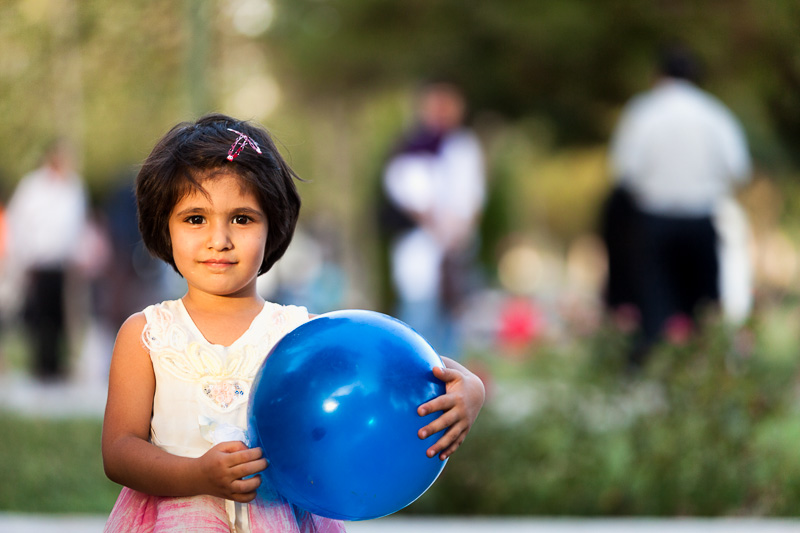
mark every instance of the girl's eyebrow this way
{"type": "Point", "coordinates": [255, 214]}
{"type": "Point", "coordinates": [202, 210]}
{"type": "Point", "coordinates": [247, 210]}
{"type": "Point", "coordinates": [190, 210]}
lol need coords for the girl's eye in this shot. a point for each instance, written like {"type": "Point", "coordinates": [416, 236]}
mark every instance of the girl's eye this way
{"type": "Point", "coordinates": [195, 219]}
{"type": "Point", "coordinates": [241, 219]}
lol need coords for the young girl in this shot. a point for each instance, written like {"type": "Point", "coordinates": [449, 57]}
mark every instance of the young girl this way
{"type": "Point", "coordinates": [218, 203]}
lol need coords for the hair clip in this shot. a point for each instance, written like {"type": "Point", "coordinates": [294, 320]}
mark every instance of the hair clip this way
{"type": "Point", "coordinates": [239, 144]}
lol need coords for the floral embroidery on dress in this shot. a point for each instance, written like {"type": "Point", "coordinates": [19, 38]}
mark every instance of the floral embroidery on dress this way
{"type": "Point", "coordinates": [224, 381]}
{"type": "Point", "coordinates": [223, 393]}
{"type": "Point", "coordinates": [162, 332]}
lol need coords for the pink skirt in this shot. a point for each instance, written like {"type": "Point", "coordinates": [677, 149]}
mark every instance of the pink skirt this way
{"type": "Point", "coordinates": [136, 512]}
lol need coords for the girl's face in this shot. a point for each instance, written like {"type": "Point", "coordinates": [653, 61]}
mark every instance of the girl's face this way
{"type": "Point", "coordinates": [218, 238]}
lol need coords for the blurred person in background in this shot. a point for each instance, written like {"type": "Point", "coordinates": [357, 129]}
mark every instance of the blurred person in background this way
{"type": "Point", "coordinates": [677, 155]}
{"type": "Point", "coordinates": [46, 220]}
{"type": "Point", "coordinates": [134, 277]}
{"type": "Point", "coordinates": [435, 186]}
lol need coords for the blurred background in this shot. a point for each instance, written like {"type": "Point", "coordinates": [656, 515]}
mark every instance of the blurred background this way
{"type": "Point", "coordinates": [707, 427]}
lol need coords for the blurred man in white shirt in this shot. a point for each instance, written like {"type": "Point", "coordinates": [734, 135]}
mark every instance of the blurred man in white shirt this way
{"type": "Point", "coordinates": [680, 153]}
{"type": "Point", "coordinates": [47, 217]}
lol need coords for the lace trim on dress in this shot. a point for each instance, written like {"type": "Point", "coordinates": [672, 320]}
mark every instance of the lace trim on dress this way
{"type": "Point", "coordinates": [224, 382]}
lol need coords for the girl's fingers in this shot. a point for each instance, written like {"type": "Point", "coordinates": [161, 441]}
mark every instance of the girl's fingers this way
{"type": "Point", "coordinates": [440, 403]}
{"type": "Point", "coordinates": [454, 418]}
{"type": "Point", "coordinates": [236, 452]}
{"type": "Point", "coordinates": [248, 469]}
{"type": "Point", "coordinates": [448, 419]}
{"type": "Point", "coordinates": [446, 401]}
{"type": "Point", "coordinates": [453, 447]}
{"type": "Point", "coordinates": [242, 497]}
{"type": "Point", "coordinates": [245, 486]}
{"type": "Point", "coordinates": [446, 442]}
{"type": "Point", "coordinates": [246, 455]}
{"type": "Point", "coordinates": [445, 374]}
{"type": "Point", "coordinates": [231, 447]}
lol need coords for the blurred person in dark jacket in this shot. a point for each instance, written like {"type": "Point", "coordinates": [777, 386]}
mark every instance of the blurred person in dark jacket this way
{"type": "Point", "coordinates": [435, 186]}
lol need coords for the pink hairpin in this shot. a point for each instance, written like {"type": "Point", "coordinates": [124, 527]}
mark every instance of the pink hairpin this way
{"type": "Point", "coordinates": [239, 144]}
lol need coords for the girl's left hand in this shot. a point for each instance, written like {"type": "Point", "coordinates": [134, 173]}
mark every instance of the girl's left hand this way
{"type": "Point", "coordinates": [460, 406]}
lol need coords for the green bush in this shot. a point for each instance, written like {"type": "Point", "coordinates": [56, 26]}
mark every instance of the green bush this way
{"type": "Point", "coordinates": [706, 428]}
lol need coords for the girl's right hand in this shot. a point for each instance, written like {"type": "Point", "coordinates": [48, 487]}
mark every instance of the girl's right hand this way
{"type": "Point", "coordinates": [225, 467]}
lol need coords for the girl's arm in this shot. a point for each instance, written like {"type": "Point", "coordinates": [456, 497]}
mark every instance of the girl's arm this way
{"type": "Point", "coordinates": [131, 460]}
{"type": "Point", "coordinates": [460, 406]}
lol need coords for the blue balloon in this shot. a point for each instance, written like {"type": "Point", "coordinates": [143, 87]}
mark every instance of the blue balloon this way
{"type": "Point", "coordinates": [334, 409]}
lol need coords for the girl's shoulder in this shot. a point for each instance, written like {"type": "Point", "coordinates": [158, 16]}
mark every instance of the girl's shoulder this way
{"type": "Point", "coordinates": [130, 333]}
{"type": "Point", "coordinates": [134, 323]}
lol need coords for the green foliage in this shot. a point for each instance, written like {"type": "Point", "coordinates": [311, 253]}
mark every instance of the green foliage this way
{"type": "Point", "coordinates": [108, 79]}
{"type": "Point", "coordinates": [705, 429]}
{"type": "Point", "coordinates": [570, 61]}
{"type": "Point", "coordinates": [114, 79]}
{"type": "Point", "coordinates": [53, 466]}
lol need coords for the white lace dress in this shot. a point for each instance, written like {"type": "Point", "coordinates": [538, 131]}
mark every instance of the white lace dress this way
{"type": "Point", "coordinates": [200, 400]}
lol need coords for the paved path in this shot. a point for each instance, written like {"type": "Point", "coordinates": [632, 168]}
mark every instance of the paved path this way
{"type": "Point", "coordinates": [20, 523]}
{"type": "Point", "coordinates": [22, 395]}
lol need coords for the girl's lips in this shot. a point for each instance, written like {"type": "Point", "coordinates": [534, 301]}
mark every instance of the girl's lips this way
{"type": "Point", "coordinates": [218, 262]}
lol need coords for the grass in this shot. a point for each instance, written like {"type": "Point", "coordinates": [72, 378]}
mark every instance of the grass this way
{"type": "Point", "coordinates": [53, 466]}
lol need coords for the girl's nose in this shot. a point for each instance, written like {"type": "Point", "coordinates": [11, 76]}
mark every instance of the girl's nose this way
{"type": "Point", "coordinates": [219, 237]}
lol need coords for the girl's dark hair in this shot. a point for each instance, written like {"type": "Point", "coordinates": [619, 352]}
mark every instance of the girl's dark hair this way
{"type": "Point", "coordinates": [191, 152]}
